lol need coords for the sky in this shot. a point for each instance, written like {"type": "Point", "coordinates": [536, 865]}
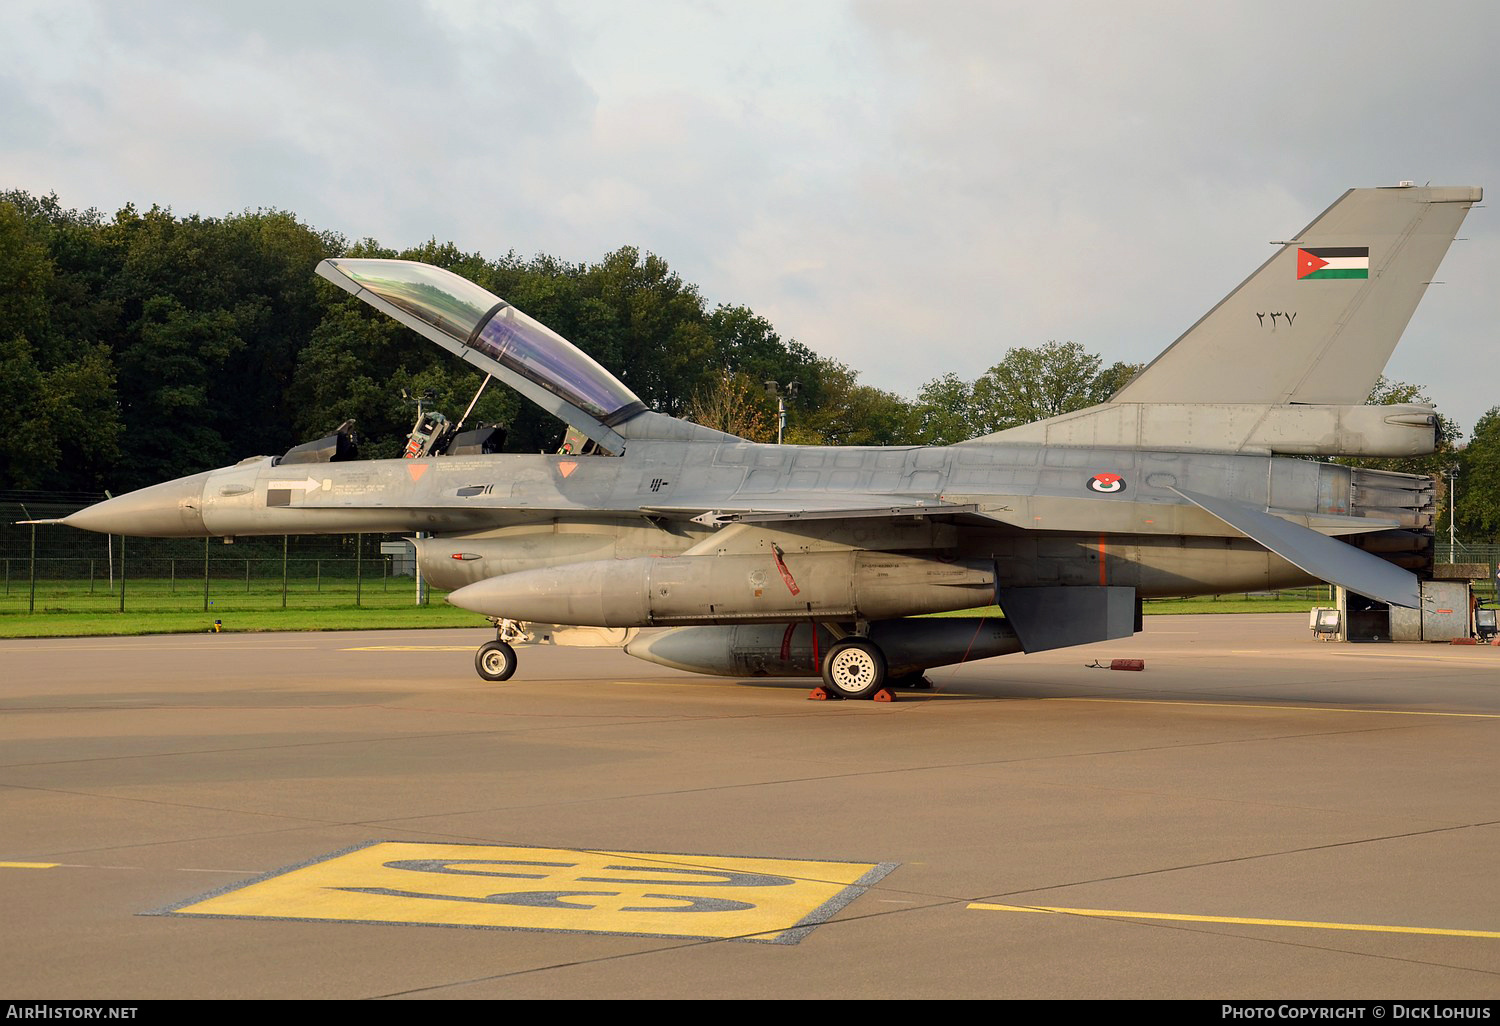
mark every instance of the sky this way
{"type": "Point", "coordinates": [909, 188]}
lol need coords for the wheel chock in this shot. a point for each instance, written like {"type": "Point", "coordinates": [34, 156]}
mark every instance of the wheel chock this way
{"type": "Point", "coordinates": [820, 694]}
{"type": "Point", "coordinates": [1463, 641]}
{"type": "Point", "coordinates": [884, 695]}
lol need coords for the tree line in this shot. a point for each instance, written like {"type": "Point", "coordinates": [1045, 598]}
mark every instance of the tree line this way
{"type": "Point", "coordinates": [143, 346]}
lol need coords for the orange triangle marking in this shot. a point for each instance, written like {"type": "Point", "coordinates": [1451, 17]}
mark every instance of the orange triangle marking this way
{"type": "Point", "coordinates": [416, 470]}
{"type": "Point", "coordinates": [567, 467]}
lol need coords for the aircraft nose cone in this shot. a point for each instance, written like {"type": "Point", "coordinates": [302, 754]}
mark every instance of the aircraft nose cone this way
{"type": "Point", "coordinates": [170, 510]}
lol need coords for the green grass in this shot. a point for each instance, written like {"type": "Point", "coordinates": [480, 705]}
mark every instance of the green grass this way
{"type": "Point", "coordinates": [73, 608]}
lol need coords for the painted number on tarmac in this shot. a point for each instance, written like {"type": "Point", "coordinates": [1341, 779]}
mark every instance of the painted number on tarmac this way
{"type": "Point", "coordinates": [651, 894]}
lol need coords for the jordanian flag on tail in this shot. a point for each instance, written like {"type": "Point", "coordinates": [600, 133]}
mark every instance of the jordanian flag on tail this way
{"type": "Point", "coordinates": [1334, 262]}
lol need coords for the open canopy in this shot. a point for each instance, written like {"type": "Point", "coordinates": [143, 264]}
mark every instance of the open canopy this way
{"type": "Point", "coordinates": [484, 329]}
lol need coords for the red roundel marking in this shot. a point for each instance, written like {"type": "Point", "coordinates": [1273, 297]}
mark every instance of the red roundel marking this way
{"type": "Point", "coordinates": [1107, 483]}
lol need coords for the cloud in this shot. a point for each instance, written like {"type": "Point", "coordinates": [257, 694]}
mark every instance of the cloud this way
{"type": "Point", "coordinates": [908, 189]}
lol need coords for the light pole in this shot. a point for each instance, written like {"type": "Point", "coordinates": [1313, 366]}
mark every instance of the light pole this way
{"type": "Point", "coordinates": [782, 392]}
{"type": "Point", "coordinates": [1452, 487]}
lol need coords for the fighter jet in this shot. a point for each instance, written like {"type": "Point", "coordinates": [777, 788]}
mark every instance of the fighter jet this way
{"type": "Point", "coordinates": [816, 561]}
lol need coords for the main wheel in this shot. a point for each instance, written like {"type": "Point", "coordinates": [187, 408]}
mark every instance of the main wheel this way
{"type": "Point", "coordinates": [854, 668]}
{"type": "Point", "coordinates": [495, 660]}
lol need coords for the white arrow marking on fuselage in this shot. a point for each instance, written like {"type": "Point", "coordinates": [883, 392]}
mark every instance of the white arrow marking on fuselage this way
{"type": "Point", "coordinates": [312, 484]}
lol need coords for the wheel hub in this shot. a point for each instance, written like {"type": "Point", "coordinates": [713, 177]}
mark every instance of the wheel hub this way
{"type": "Point", "coordinates": [852, 670]}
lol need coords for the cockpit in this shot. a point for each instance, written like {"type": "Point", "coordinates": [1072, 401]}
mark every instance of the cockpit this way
{"type": "Point", "coordinates": [484, 329]}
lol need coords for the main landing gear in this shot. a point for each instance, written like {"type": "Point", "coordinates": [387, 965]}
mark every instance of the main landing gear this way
{"type": "Point", "coordinates": [496, 660]}
{"type": "Point", "coordinates": [854, 668]}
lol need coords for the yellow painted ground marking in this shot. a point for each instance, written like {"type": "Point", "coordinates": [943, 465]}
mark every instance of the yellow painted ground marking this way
{"type": "Point", "coordinates": [411, 648]}
{"type": "Point", "coordinates": [1287, 708]}
{"type": "Point", "coordinates": [29, 865]}
{"type": "Point", "coordinates": [700, 896]}
{"type": "Point", "coordinates": [1104, 913]}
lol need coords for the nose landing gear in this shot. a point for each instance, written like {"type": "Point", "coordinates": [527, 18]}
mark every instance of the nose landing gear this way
{"type": "Point", "coordinates": [496, 660]}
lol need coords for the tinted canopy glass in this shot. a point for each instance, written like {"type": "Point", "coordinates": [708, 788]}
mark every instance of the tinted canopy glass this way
{"type": "Point", "coordinates": [484, 323]}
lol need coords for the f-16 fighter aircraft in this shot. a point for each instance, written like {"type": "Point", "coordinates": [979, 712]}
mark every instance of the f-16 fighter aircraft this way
{"type": "Point", "coordinates": [806, 560]}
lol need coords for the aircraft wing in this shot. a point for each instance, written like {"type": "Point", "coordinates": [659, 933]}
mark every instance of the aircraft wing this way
{"type": "Point", "coordinates": [1322, 556]}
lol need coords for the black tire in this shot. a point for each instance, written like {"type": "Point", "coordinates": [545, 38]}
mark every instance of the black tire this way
{"type": "Point", "coordinates": [854, 668]}
{"type": "Point", "coordinates": [495, 661]}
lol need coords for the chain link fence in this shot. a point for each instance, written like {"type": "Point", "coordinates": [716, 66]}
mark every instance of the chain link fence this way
{"type": "Point", "coordinates": [1459, 552]}
{"type": "Point", "coordinates": [51, 568]}
{"type": "Point", "coordinates": [1482, 562]}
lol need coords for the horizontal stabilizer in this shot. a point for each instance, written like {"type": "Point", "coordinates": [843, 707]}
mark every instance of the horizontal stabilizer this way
{"type": "Point", "coordinates": [1325, 558]}
{"type": "Point", "coordinates": [1048, 618]}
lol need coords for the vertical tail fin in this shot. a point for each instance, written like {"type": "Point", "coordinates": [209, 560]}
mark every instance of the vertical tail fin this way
{"type": "Point", "coordinates": [1318, 321]}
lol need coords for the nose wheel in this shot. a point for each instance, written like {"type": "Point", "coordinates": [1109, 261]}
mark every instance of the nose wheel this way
{"type": "Point", "coordinates": [495, 661]}
{"type": "Point", "coordinates": [854, 668]}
